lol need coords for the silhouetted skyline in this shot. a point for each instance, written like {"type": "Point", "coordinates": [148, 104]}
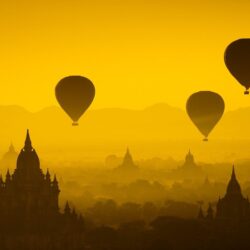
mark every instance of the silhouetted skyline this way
{"type": "Point", "coordinates": [135, 174]}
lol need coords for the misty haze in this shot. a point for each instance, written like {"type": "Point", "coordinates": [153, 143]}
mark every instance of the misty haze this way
{"type": "Point", "coordinates": [124, 125]}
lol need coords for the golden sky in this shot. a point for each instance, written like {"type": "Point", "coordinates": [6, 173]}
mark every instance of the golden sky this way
{"type": "Point", "coordinates": [137, 53]}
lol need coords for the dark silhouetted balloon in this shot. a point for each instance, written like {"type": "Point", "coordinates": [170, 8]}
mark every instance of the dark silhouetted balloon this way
{"type": "Point", "coordinates": [205, 108]}
{"type": "Point", "coordinates": [75, 94]}
{"type": "Point", "coordinates": [237, 60]}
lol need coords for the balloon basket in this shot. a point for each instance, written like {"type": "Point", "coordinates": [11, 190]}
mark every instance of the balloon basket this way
{"type": "Point", "coordinates": [205, 139]}
{"type": "Point", "coordinates": [246, 92]}
{"type": "Point", "coordinates": [75, 124]}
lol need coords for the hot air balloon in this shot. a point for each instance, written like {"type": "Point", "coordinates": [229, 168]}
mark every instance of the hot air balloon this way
{"type": "Point", "coordinates": [237, 60]}
{"type": "Point", "coordinates": [75, 94]}
{"type": "Point", "coordinates": [205, 108]}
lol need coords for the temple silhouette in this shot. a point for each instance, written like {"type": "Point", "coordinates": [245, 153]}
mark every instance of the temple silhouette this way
{"type": "Point", "coordinates": [128, 164]}
{"type": "Point", "coordinates": [190, 164]}
{"type": "Point", "coordinates": [9, 158]}
{"type": "Point", "coordinates": [29, 206]}
{"type": "Point", "coordinates": [30, 217]}
{"type": "Point", "coordinates": [233, 205]}
{"type": "Point", "coordinates": [189, 169]}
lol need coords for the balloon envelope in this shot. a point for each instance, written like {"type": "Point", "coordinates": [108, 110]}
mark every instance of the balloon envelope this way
{"type": "Point", "coordinates": [75, 94]}
{"type": "Point", "coordinates": [237, 60]}
{"type": "Point", "coordinates": [205, 108]}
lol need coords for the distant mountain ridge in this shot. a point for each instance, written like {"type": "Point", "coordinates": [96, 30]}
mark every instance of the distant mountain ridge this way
{"type": "Point", "coordinates": [153, 118]}
{"type": "Point", "coordinates": [159, 123]}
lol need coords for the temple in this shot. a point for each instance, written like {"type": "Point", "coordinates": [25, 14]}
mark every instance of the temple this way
{"type": "Point", "coordinates": [189, 169]}
{"type": "Point", "coordinates": [233, 205]}
{"type": "Point", "coordinates": [128, 164]}
{"type": "Point", "coordinates": [9, 158]}
{"type": "Point", "coordinates": [29, 201]}
{"type": "Point", "coordinates": [189, 162]}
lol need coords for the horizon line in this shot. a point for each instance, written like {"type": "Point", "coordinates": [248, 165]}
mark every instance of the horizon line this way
{"type": "Point", "coordinates": [106, 108]}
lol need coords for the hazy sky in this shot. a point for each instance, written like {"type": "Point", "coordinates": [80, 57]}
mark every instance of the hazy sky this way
{"type": "Point", "coordinates": [136, 52]}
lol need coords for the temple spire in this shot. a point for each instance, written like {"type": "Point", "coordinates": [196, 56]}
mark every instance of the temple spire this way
{"type": "Point", "coordinates": [27, 145]}
{"type": "Point", "coordinates": [189, 158]}
{"type": "Point", "coordinates": [128, 161]}
{"type": "Point", "coordinates": [11, 148]}
{"type": "Point", "coordinates": [47, 176]}
{"type": "Point", "coordinates": [127, 152]}
{"type": "Point", "coordinates": [233, 185]}
{"type": "Point", "coordinates": [8, 177]}
{"type": "Point", "coordinates": [67, 210]}
{"type": "Point", "coordinates": [233, 173]}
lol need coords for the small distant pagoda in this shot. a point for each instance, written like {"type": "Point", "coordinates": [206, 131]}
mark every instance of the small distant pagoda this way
{"type": "Point", "coordinates": [189, 162]}
{"type": "Point", "coordinates": [9, 159]}
{"type": "Point", "coordinates": [128, 164]}
{"type": "Point", "coordinates": [189, 169]}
